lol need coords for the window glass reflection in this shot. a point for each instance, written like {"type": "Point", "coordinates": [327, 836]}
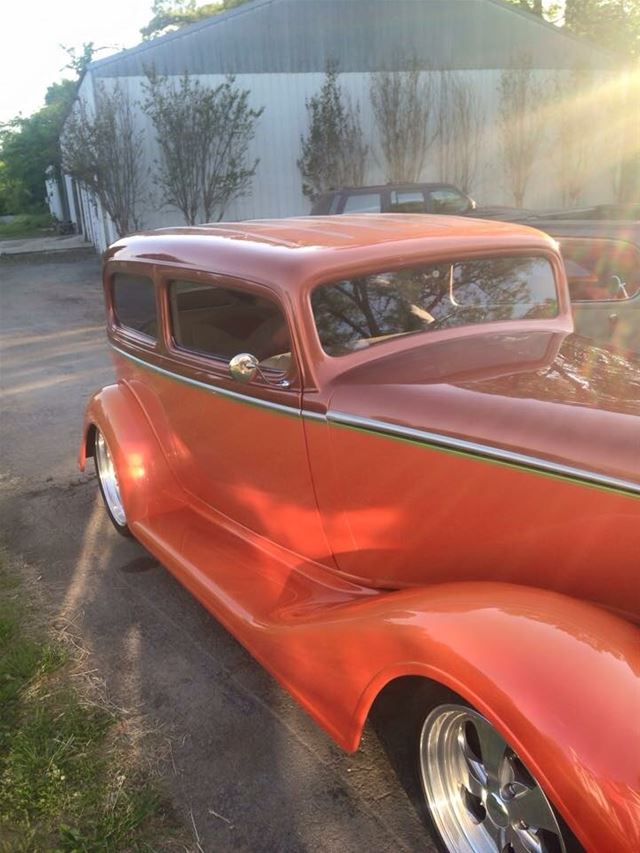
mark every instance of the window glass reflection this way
{"type": "Point", "coordinates": [359, 312]}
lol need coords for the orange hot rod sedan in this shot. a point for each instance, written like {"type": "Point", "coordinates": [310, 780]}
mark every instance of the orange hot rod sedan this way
{"type": "Point", "coordinates": [375, 449]}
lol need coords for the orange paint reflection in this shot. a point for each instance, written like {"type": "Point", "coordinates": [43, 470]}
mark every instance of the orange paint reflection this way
{"type": "Point", "coordinates": [135, 466]}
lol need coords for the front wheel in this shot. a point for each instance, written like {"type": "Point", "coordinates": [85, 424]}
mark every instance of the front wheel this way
{"type": "Point", "coordinates": [109, 485]}
{"type": "Point", "coordinates": [480, 796]}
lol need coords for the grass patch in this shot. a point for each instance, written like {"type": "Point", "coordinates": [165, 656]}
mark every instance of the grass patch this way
{"type": "Point", "coordinates": [67, 781]}
{"type": "Point", "coordinates": [27, 225]}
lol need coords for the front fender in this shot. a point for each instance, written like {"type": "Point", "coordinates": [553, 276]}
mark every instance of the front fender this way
{"type": "Point", "coordinates": [147, 484]}
{"type": "Point", "coordinates": [558, 678]}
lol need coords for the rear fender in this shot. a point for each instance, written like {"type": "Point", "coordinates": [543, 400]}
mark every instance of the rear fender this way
{"type": "Point", "coordinates": [147, 485]}
{"type": "Point", "coordinates": [557, 677]}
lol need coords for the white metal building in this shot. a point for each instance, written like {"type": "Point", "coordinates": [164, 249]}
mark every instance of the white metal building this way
{"type": "Point", "coordinates": [279, 49]}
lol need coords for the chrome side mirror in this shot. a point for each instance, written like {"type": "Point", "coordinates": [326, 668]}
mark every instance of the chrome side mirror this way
{"type": "Point", "coordinates": [243, 367]}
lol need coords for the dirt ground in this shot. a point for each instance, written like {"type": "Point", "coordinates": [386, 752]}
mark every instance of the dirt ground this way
{"type": "Point", "coordinates": [247, 769]}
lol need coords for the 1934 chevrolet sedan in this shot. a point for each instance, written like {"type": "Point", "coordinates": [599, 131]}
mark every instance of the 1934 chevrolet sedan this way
{"type": "Point", "coordinates": [375, 450]}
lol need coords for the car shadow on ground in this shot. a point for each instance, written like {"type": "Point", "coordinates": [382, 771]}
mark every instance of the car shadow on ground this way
{"type": "Point", "coordinates": [245, 764]}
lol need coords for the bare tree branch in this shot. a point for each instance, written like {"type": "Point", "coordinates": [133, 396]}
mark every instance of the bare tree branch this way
{"type": "Point", "coordinates": [104, 151]}
{"type": "Point", "coordinates": [459, 131]}
{"type": "Point", "coordinates": [520, 123]}
{"type": "Point", "coordinates": [573, 118]}
{"type": "Point", "coordinates": [403, 108]}
{"type": "Point", "coordinates": [203, 135]}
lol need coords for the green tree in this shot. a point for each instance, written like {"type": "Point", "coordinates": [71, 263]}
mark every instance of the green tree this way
{"type": "Point", "coordinates": [612, 24]}
{"type": "Point", "coordinates": [615, 25]}
{"type": "Point", "coordinates": [170, 15]}
{"type": "Point", "coordinates": [333, 151]}
{"type": "Point", "coordinates": [104, 151]}
{"type": "Point", "coordinates": [203, 136]}
{"type": "Point", "coordinates": [80, 59]}
{"type": "Point", "coordinates": [534, 6]}
{"type": "Point", "coordinates": [548, 11]}
{"type": "Point", "coordinates": [28, 146]}
{"type": "Point", "coordinates": [404, 109]}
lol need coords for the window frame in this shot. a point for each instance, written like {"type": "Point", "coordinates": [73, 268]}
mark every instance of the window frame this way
{"type": "Point", "coordinates": [214, 367]}
{"type": "Point", "coordinates": [127, 334]}
{"type": "Point", "coordinates": [423, 335]}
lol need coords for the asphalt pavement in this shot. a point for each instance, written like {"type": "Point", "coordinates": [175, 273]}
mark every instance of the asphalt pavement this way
{"type": "Point", "coordinates": [247, 769]}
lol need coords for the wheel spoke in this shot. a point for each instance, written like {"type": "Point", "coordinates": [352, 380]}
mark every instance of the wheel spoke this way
{"type": "Point", "coordinates": [472, 772]}
{"type": "Point", "coordinates": [474, 785]}
{"type": "Point", "coordinates": [480, 794]}
{"type": "Point", "coordinates": [492, 749]}
{"type": "Point", "coordinates": [518, 842]}
{"type": "Point", "coordinates": [533, 810]}
{"type": "Point", "coordinates": [473, 804]}
{"type": "Point", "coordinates": [496, 833]}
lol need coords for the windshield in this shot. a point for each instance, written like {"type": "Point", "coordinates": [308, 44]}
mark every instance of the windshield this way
{"type": "Point", "coordinates": [358, 312]}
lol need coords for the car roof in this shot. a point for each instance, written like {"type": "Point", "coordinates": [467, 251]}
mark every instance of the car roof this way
{"type": "Point", "coordinates": [281, 251]}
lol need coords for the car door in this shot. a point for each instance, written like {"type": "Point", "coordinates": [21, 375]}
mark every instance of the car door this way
{"type": "Point", "coordinates": [237, 448]}
{"type": "Point", "coordinates": [604, 286]}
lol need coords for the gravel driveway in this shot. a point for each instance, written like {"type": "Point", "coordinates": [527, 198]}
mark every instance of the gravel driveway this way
{"type": "Point", "coordinates": [249, 771]}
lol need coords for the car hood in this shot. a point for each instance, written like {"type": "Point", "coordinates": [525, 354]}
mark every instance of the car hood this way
{"type": "Point", "coordinates": [554, 396]}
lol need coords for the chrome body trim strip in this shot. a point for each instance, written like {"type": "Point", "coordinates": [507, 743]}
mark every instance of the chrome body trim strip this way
{"type": "Point", "coordinates": [483, 451]}
{"type": "Point", "coordinates": [437, 440]}
{"type": "Point", "coordinates": [314, 416]}
{"type": "Point", "coordinates": [212, 389]}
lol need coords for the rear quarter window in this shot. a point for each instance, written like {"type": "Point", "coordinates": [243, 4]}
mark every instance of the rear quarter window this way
{"type": "Point", "coordinates": [134, 304]}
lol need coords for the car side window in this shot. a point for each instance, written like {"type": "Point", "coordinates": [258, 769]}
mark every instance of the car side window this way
{"type": "Point", "coordinates": [363, 203]}
{"type": "Point", "coordinates": [600, 270]}
{"type": "Point", "coordinates": [134, 304]}
{"type": "Point", "coordinates": [446, 200]}
{"type": "Point", "coordinates": [223, 322]}
{"type": "Point", "coordinates": [407, 202]}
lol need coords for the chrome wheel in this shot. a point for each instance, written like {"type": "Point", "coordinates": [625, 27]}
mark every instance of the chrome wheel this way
{"type": "Point", "coordinates": [109, 481]}
{"type": "Point", "coordinates": [481, 797]}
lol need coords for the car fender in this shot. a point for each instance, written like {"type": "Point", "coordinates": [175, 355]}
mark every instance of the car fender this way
{"type": "Point", "coordinates": [559, 678]}
{"type": "Point", "coordinates": [147, 485]}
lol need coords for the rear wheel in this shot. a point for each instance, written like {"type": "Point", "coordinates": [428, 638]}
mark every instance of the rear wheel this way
{"type": "Point", "coordinates": [109, 484]}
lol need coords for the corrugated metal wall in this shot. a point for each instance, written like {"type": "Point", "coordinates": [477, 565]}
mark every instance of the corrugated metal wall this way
{"type": "Point", "coordinates": [276, 189]}
{"type": "Point", "coordinates": [286, 43]}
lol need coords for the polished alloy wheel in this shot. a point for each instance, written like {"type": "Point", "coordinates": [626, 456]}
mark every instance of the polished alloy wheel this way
{"type": "Point", "coordinates": [109, 480]}
{"type": "Point", "coordinates": [481, 797]}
